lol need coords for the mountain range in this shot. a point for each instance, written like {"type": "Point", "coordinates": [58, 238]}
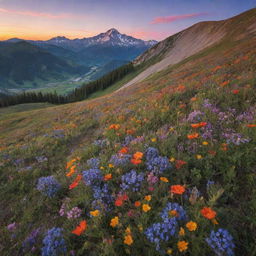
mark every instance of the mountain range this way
{"type": "Point", "coordinates": [86, 58]}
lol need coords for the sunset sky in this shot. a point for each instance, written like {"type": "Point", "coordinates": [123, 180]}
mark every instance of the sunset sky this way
{"type": "Point", "coordinates": [145, 19]}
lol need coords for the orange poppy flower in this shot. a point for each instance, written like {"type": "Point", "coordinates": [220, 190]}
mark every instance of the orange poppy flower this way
{"type": "Point", "coordinates": [177, 189]}
{"type": "Point", "coordinates": [123, 150]}
{"type": "Point", "coordinates": [76, 181]}
{"type": "Point", "coordinates": [138, 155]}
{"type": "Point", "coordinates": [69, 164]}
{"type": "Point", "coordinates": [72, 170]}
{"type": "Point", "coordinates": [199, 125]}
{"type": "Point", "coordinates": [137, 204]}
{"type": "Point", "coordinates": [208, 213]}
{"type": "Point", "coordinates": [80, 228]}
{"type": "Point", "coordinates": [135, 161]}
{"type": "Point", "coordinates": [108, 177]}
{"type": "Point", "coordinates": [193, 136]}
{"type": "Point", "coordinates": [251, 125]}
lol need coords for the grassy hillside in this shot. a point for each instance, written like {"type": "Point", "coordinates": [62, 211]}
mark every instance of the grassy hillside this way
{"type": "Point", "coordinates": [192, 124]}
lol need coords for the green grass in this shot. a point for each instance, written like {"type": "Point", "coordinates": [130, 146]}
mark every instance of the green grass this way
{"type": "Point", "coordinates": [23, 108]}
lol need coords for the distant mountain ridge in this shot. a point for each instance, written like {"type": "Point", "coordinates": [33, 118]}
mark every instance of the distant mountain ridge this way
{"type": "Point", "coordinates": [112, 37]}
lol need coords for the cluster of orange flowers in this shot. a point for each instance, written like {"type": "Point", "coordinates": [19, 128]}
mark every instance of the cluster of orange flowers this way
{"type": "Point", "coordinates": [121, 199]}
{"type": "Point", "coordinates": [137, 158]}
{"type": "Point", "coordinates": [177, 189]}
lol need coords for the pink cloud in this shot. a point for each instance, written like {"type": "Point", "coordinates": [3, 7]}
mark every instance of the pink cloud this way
{"type": "Point", "coordinates": [36, 14]}
{"type": "Point", "coordinates": [147, 35]}
{"type": "Point", "coordinates": [169, 19]}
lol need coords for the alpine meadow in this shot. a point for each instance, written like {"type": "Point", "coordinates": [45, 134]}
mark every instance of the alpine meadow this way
{"type": "Point", "coordinates": [112, 145]}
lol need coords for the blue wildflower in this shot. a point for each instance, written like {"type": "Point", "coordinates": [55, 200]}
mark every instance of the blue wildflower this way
{"type": "Point", "coordinates": [181, 213]}
{"type": "Point", "coordinates": [93, 163]}
{"type": "Point", "coordinates": [221, 242]}
{"type": "Point", "coordinates": [132, 180]}
{"type": "Point", "coordinates": [54, 243]}
{"type": "Point", "coordinates": [31, 240]}
{"type": "Point", "coordinates": [120, 159]}
{"type": "Point", "coordinates": [158, 164]}
{"type": "Point", "coordinates": [92, 177]}
{"type": "Point", "coordinates": [161, 232]}
{"type": "Point", "coordinates": [127, 140]}
{"type": "Point", "coordinates": [48, 186]}
{"type": "Point", "coordinates": [151, 153]}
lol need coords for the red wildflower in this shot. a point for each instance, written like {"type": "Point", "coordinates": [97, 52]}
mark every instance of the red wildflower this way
{"type": "Point", "coordinates": [76, 181]}
{"type": "Point", "coordinates": [193, 136]}
{"type": "Point", "coordinates": [208, 213]}
{"type": "Point", "coordinates": [179, 163]}
{"type": "Point", "coordinates": [123, 150]}
{"type": "Point", "coordinates": [235, 91]}
{"type": "Point", "coordinates": [177, 189]}
{"type": "Point", "coordinates": [80, 228]}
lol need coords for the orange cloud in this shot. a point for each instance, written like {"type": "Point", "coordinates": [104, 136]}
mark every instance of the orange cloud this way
{"type": "Point", "coordinates": [36, 14]}
{"type": "Point", "coordinates": [169, 19]}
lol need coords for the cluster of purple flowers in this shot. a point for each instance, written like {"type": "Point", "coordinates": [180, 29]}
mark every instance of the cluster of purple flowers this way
{"type": "Point", "coordinates": [161, 232]}
{"type": "Point", "coordinates": [74, 213]}
{"type": "Point", "coordinates": [54, 243]}
{"type": "Point", "coordinates": [195, 116]}
{"type": "Point", "coordinates": [247, 116]}
{"type": "Point", "coordinates": [132, 180]}
{"type": "Point", "coordinates": [93, 163]}
{"type": "Point", "coordinates": [48, 186]}
{"type": "Point", "coordinates": [181, 213]}
{"type": "Point", "coordinates": [212, 107]}
{"type": "Point", "coordinates": [221, 242]}
{"type": "Point", "coordinates": [234, 138]}
{"type": "Point", "coordinates": [31, 240]}
{"type": "Point", "coordinates": [120, 159]}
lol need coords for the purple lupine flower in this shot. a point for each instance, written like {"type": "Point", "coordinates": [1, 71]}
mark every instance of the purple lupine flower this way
{"type": "Point", "coordinates": [92, 177]}
{"type": "Point", "coordinates": [31, 240]}
{"type": "Point", "coordinates": [195, 116]}
{"type": "Point", "coordinates": [11, 227]}
{"type": "Point", "coordinates": [152, 179]}
{"type": "Point", "coordinates": [74, 213]}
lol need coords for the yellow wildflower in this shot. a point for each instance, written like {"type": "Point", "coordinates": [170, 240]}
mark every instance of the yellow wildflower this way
{"type": "Point", "coordinates": [182, 232]}
{"type": "Point", "coordinates": [191, 226]}
{"type": "Point", "coordinates": [95, 213]}
{"type": "Point", "coordinates": [153, 139]}
{"type": "Point", "coordinates": [169, 251]}
{"type": "Point", "coordinates": [172, 159]}
{"type": "Point", "coordinates": [114, 222]}
{"type": "Point", "coordinates": [146, 207]}
{"type": "Point", "coordinates": [128, 239]}
{"type": "Point", "coordinates": [128, 230]}
{"type": "Point", "coordinates": [182, 246]}
{"type": "Point", "coordinates": [111, 166]}
{"type": "Point", "coordinates": [205, 143]}
{"type": "Point", "coordinates": [148, 197]}
{"type": "Point", "coordinates": [102, 168]}
{"type": "Point", "coordinates": [164, 179]}
{"type": "Point", "coordinates": [199, 157]}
